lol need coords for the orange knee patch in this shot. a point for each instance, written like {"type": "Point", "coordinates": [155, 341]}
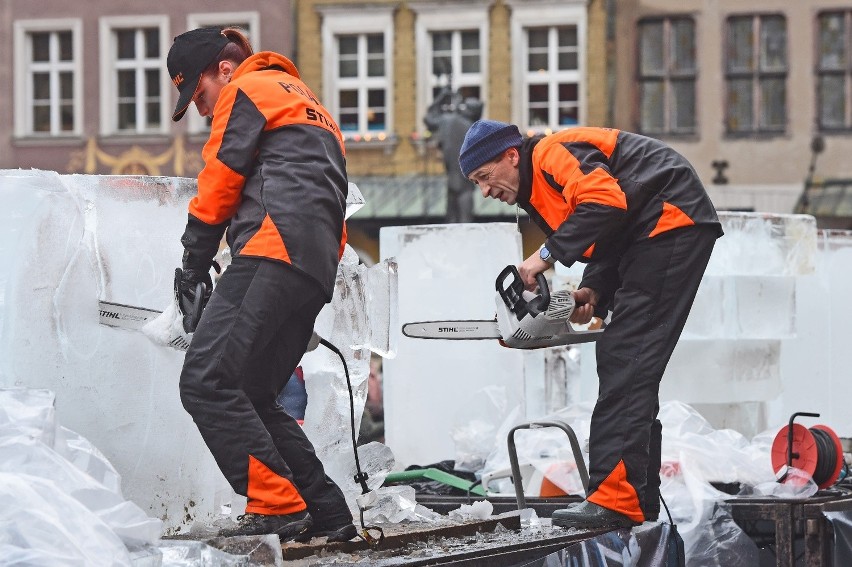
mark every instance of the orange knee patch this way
{"type": "Point", "coordinates": [270, 493]}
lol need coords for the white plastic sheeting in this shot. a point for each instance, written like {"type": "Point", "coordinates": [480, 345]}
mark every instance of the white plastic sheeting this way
{"type": "Point", "coordinates": [694, 455]}
{"type": "Point", "coordinates": [61, 500]}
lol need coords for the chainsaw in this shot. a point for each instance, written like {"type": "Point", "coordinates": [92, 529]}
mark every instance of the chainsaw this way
{"type": "Point", "coordinates": [162, 327]}
{"type": "Point", "coordinates": [524, 319]}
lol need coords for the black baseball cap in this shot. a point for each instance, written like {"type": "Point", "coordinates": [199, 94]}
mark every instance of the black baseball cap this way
{"type": "Point", "coordinates": [189, 55]}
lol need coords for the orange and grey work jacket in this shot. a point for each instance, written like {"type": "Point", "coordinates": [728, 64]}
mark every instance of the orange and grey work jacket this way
{"type": "Point", "coordinates": [595, 191]}
{"type": "Point", "coordinates": [274, 175]}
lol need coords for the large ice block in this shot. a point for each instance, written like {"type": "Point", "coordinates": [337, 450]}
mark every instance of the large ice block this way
{"type": "Point", "coordinates": [815, 365]}
{"type": "Point", "coordinates": [68, 241]}
{"type": "Point", "coordinates": [551, 379]}
{"type": "Point", "coordinates": [360, 318]}
{"type": "Point", "coordinates": [749, 307]}
{"type": "Point", "coordinates": [723, 371]}
{"type": "Point", "coordinates": [764, 244]}
{"type": "Point", "coordinates": [445, 272]}
{"type": "Point", "coordinates": [746, 313]}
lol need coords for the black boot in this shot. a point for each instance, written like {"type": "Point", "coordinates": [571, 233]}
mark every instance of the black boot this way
{"type": "Point", "coordinates": [589, 515]}
{"type": "Point", "coordinates": [286, 526]}
{"type": "Point", "coordinates": [344, 532]}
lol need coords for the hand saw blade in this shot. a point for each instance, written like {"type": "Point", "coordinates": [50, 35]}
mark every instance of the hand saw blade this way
{"type": "Point", "coordinates": [455, 330]}
{"type": "Point", "coordinates": [125, 316]}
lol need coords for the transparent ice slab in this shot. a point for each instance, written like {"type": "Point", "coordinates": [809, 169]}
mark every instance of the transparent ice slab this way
{"type": "Point", "coordinates": [750, 307]}
{"type": "Point", "coordinates": [723, 371]}
{"type": "Point", "coordinates": [69, 240]}
{"type": "Point", "coordinates": [764, 244]}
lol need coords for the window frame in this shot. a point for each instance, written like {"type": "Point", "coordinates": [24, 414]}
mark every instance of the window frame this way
{"type": "Point", "coordinates": [369, 20]}
{"type": "Point", "coordinates": [668, 76]}
{"type": "Point", "coordinates": [197, 125]}
{"type": "Point", "coordinates": [432, 17]}
{"type": "Point", "coordinates": [845, 71]}
{"type": "Point", "coordinates": [23, 119]}
{"type": "Point", "coordinates": [108, 68]}
{"type": "Point", "coordinates": [550, 15]}
{"type": "Point", "coordinates": [756, 76]}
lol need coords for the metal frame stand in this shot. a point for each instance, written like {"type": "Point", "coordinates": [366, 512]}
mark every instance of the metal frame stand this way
{"type": "Point", "coordinates": [516, 469]}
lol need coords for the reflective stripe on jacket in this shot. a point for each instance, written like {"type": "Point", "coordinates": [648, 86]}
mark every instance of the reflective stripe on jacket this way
{"type": "Point", "coordinates": [594, 190]}
{"type": "Point", "coordinates": [274, 174]}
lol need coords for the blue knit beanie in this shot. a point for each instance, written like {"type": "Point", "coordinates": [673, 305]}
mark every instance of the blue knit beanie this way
{"type": "Point", "coordinates": [484, 141]}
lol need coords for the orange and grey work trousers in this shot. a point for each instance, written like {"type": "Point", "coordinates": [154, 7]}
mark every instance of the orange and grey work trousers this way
{"type": "Point", "coordinates": [251, 337]}
{"type": "Point", "coordinates": [659, 278]}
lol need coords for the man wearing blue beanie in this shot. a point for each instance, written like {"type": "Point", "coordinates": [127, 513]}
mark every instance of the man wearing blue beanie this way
{"type": "Point", "coordinates": [636, 213]}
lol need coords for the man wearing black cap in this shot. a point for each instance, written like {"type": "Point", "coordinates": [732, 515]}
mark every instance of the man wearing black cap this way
{"type": "Point", "coordinates": [274, 177]}
{"type": "Point", "coordinates": [636, 212]}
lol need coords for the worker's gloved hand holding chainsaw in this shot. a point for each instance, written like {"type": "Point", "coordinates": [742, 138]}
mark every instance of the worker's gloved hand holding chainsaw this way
{"type": "Point", "coordinates": [585, 301]}
{"type": "Point", "coordinates": [193, 287]}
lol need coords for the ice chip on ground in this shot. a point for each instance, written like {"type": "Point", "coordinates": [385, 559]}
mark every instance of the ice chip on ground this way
{"type": "Point", "coordinates": [376, 462]}
{"type": "Point", "coordinates": [396, 504]}
{"type": "Point", "coordinates": [530, 520]}
{"type": "Point", "coordinates": [178, 553]}
{"type": "Point", "coordinates": [479, 510]}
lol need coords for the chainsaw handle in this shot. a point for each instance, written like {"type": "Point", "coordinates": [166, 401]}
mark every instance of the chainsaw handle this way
{"type": "Point", "coordinates": [513, 294]}
{"type": "Point", "coordinates": [198, 306]}
{"type": "Point", "coordinates": [542, 300]}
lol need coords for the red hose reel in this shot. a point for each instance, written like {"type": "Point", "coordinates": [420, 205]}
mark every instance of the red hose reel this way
{"type": "Point", "coordinates": [817, 451]}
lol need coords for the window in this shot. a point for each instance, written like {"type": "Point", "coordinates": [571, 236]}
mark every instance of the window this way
{"type": "Point", "coordinates": [362, 92]}
{"type": "Point", "coordinates": [248, 22]}
{"type": "Point", "coordinates": [358, 72]}
{"type": "Point", "coordinates": [451, 53]}
{"type": "Point", "coordinates": [667, 75]}
{"type": "Point", "coordinates": [834, 86]}
{"type": "Point", "coordinates": [552, 81]}
{"type": "Point", "coordinates": [756, 74]}
{"type": "Point", "coordinates": [456, 62]}
{"type": "Point", "coordinates": [549, 69]}
{"type": "Point", "coordinates": [135, 95]}
{"type": "Point", "coordinates": [48, 78]}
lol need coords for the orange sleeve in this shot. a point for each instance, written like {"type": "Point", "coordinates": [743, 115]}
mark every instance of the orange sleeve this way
{"type": "Point", "coordinates": [220, 184]}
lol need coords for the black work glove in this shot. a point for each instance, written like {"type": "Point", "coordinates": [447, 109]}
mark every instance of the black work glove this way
{"type": "Point", "coordinates": [192, 291]}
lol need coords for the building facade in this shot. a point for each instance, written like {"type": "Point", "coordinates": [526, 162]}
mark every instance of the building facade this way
{"type": "Point", "coordinates": [380, 65]}
{"type": "Point", "coordinates": [86, 88]}
{"type": "Point", "coordinates": [757, 95]}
